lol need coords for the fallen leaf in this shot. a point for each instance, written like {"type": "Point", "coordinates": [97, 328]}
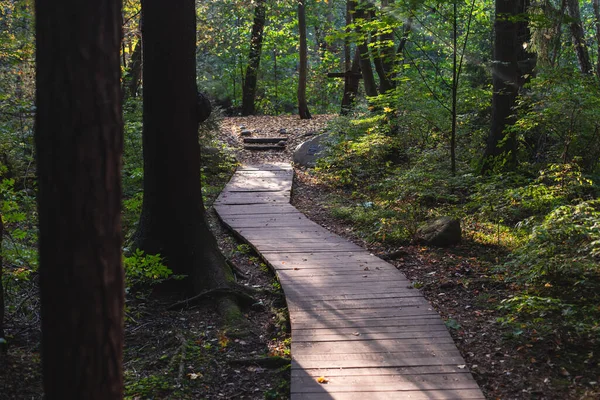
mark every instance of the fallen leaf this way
{"type": "Point", "coordinates": [193, 376]}
{"type": "Point", "coordinates": [322, 380]}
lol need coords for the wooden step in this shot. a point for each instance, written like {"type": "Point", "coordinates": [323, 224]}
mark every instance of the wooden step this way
{"type": "Point", "coordinates": [263, 147]}
{"type": "Point", "coordinates": [265, 140]}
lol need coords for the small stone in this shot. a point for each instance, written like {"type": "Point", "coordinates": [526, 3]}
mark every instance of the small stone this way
{"type": "Point", "coordinates": [281, 143]}
{"type": "Point", "coordinates": [246, 132]}
{"type": "Point", "coordinates": [283, 131]}
{"type": "Point", "coordinates": [242, 127]}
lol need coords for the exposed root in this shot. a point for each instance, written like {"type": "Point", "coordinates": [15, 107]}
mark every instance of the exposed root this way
{"type": "Point", "coordinates": [243, 298]}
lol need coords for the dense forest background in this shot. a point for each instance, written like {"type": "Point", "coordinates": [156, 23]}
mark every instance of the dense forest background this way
{"type": "Point", "coordinates": [481, 110]}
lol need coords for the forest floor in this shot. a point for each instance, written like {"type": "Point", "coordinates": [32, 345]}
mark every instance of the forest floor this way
{"type": "Point", "coordinates": [193, 353]}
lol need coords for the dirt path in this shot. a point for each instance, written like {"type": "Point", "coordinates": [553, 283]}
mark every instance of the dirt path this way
{"type": "Point", "coordinates": [290, 126]}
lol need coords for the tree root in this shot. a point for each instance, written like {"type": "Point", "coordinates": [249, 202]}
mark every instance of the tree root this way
{"type": "Point", "coordinates": [236, 270]}
{"type": "Point", "coordinates": [243, 298]}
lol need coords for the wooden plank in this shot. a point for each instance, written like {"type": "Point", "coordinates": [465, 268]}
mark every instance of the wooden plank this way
{"type": "Point", "coordinates": [335, 305]}
{"type": "Point", "coordinates": [370, 385]}
{"type": "Point", "coordinates": [460, 394]}
{"type": "Point", "coordinates": [332, 337]}
{"type": "Point", "coordinates": [265, 139]}
{"type": "Point", "coordinates": [299, 316]}
{"type": "Point", "coordinates": [389, 346]}
{"type": "Point", "coordinates": [306, 332]}
{"type": "Point", "coordinates": [409, 382]}
{"type": "Point", "coordinates": [361, 323]}
{"type": "Point", "coordinates": [372, 360]}
{"type": "Point", "coordinates": [422, 370]}
{"type": "Point", "coordinates": [264, 147]}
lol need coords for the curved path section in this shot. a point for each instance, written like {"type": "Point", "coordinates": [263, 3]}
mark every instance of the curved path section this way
{"type": "Point", "coordinates": [358, 329]}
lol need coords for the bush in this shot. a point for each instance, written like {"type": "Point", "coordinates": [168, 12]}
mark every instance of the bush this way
{"type": "Point", "coordinates": [564, 250]}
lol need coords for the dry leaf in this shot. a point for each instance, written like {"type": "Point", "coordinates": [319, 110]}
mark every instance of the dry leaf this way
{"type": "Point", "coordinates": [322, 379]}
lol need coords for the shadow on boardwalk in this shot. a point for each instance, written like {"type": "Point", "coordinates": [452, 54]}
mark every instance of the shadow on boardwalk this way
{"type": "Point", "coordinates": [359, 331]}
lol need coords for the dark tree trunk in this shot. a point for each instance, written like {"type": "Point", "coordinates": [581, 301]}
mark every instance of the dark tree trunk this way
{"type": "Point", "coordinates": [133, 75]}
{"type": "Point", "coordinates": [578, 37]}
{"type": "Point", "coordinates": [256, 39]}
{"type": "Point", "coordinates": [302, 106]}
{"type": "Point", "coordinates": [79, 141]}
{"type": "Point", "coordinates": [173, 221]}
{"type": "Point", "coordinates": [351, 83]}
{"type": "Point", "coordinates": [505, 79]}
{"type": "Point", "coordinates": [363, 47]}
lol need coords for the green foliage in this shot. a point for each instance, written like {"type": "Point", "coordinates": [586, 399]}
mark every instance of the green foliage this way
{"type": "Point", "coordinates": [148, 387]}
{"type": "Point", "coordinates": [145, 270]}
{"type": "Point", "coordinates": [558, 119]}
{"type": "Point", "coordinates": [564, 250]}
{"type": "Point", "coordinates": [18, 210]}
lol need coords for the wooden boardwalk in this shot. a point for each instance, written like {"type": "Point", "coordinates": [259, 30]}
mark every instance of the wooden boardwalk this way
{"type": "Point", "coordinates": [355, 320]}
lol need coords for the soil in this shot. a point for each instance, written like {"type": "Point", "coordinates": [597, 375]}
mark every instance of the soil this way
{"type": "Point", "coordinates": [193, 353]}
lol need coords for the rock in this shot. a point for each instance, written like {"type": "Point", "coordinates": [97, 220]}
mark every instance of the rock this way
{"type": "Point", "coordinates": [246, 132]}
{"type": "Point", "coordinates": [283, 131]}
{"type": "Point", "coordinates": [442, 232]}
{"type": "Point", "coordinates": [281, 143]}
{"type": "Point", "coordinates": [242, 127]}
{"type": "Point", "coordinates": [307, 153]}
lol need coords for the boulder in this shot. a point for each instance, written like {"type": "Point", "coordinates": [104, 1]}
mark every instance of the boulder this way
{"type": "Point", "coordinates": [442, 232]}
{"type": "Point", "coordinates": [308, 152]}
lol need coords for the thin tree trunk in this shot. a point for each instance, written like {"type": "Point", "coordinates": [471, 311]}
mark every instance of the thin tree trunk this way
{"type": "Point", "coordinates": [79, 141]}
{"type": "Point", "coordinates": [302, 106]}
{"type": "Point", "coordinates": [384, 59]}
{"type": "Point", "coordinates": [347, 47]}
{"type": "Point", "coordinates": [173, 220]}
{"type": "Point", "coordinates": [578, 38]}
{"type": "Point", "coordinates": [134, 72]}
{"type": "Point", "coordinates": [256, 39]}
{"type": "Point", "coordinates": [505, 80]}
{"type": "Point", "coordinates": [351, 84]}
{"type": "Point", "coordinates": [596, 4]}
{"type": "Point", "coordinates": [363, 47]}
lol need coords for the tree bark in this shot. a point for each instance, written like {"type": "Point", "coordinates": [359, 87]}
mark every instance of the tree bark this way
{"type": "Point", "coordinates": [173, 220]}
{"type": "Point", "coordinates": [596, 4]}
{"type": "Point", "coordinates": [351, 84]}
{"type": "Point", "coordinates": [363, 48]}
{"type": "Point", "coordinates": [256, 39]}
{"type": "Point", "coordinates": [384, 60]}
{"type": "Point", "coordinates": [79, 141]}
{"type": "Point", "coordinates": [131, 81]}
{"type": "Point", "coordinates": [578, 38]}
{"type": "Point", "coordinates": [505, 80]}
{"type": "Point", "coordinates": [302, 106]}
